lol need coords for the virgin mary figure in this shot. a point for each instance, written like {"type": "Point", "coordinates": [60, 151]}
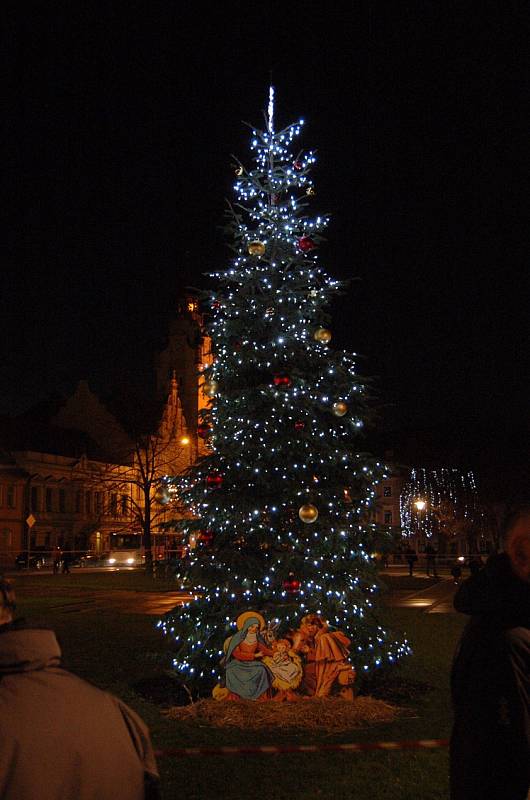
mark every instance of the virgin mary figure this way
{"type": "Point", "coordinates": [247, 677]}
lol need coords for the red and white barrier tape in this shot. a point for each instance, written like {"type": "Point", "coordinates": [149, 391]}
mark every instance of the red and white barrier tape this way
{"type": "Point", "coordinates": [272, 750]}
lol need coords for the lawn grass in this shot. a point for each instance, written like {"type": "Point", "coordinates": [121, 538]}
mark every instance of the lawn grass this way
{"type": "Point", "coordinates": [123, 652]}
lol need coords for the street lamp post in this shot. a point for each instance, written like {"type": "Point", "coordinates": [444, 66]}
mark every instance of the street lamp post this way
{"type": "Point", "coordinates": [420, 506]}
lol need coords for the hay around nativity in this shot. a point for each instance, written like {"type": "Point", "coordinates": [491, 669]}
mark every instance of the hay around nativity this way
{"type": "Point", "coordinates": [332, 715]}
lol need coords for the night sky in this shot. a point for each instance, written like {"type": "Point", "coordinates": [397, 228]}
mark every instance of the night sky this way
{"type": "Point", "coordinates": [119, 128]}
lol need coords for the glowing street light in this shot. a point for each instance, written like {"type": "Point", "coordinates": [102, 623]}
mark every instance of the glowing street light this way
{"type": "Point", "coordinates": [420, 504]}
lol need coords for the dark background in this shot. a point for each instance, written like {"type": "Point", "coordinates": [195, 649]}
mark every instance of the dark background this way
{"type": "Point", "coordinates": [119, 128]}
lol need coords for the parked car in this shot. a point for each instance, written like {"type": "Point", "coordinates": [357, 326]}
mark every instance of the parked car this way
{"type": "Point", "coordinates": [36, 560]}
{"type": "Point", "coordinates": [85, 559]}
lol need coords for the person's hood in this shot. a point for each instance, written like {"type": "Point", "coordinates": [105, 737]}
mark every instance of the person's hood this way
{"type": "Point", "coordinates": [28, 649]}
{"type": "Point", "coordinates": [496, 592]}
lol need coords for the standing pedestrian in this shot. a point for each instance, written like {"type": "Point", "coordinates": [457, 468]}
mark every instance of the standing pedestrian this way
{"type": "Point", "coordinates": [57, 558]}
{"type": "Point", "coordinates": [60, 737]}
{"type": "Point", "coordinates": [430, 553]}
{"type": "Point", "coordinates": [66, 563]}
{"type": "Point", "coordinates": [490, 681]}
{"type": "Point", "coordinates": [475, 564]}
{"type": "Point", "coordinates": [411, 558]}
{"type": "Point", "coordinates": [456, 571]}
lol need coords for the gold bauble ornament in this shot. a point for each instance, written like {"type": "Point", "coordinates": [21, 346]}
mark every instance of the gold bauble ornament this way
{"type": "Point", "coordinates": [256, 248]}
{"type": "Point", "coordinates": [339, 409]}
{"type": "Point", "coordinates": [210, 388]}
{"type": "Point", "coordinates": [308, 513]}
{"type": "Point", "coordinates": [310, 192]}
{"type": "Point", "coordinates": [322, 335]}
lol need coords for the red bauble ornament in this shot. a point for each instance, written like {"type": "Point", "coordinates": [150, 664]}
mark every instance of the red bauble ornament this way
{"type": "Point", "coordinates": [203, 430]}
{"type": "Point", "coordinates": [216, 304]}
{"type": "Point", "coordinates": [282, 380]}
{"type": "Point", "coordinates": [291, 585]}
{"type": "Point", "coordinates": [206, 537]}
{"type": "Point", "coordinates": [299, 425]}
{"type": "Point", "coordinates": [214, 481]}
{"type": "Point", "coordinates": [306, 244]}
{"type": "Point", "coordinates": [297, 165]}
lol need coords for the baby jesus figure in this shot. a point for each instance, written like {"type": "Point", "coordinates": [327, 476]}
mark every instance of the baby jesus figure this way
{"type": "Point", "coordinates": [286, 669]}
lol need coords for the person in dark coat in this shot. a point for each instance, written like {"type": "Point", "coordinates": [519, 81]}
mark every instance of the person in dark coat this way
{"type": "Point", "coordinates": [430, 554]}
{"type": "Point", "coordinates": [60, 737]}
{"type": "Point", "coordinates": [475, 564]}
{"type": "Point", "coordinates": [490, 681]}
{"type": "Point", "coordinates": [411, 558]}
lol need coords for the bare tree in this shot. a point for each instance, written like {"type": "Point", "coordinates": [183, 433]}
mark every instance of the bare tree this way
{"type": "Point", "coordinates": [136, 491]}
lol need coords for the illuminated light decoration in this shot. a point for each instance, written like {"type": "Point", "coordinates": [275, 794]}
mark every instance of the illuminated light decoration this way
{"type": "Point", "coordinates": [283, 381]}
{"type": "Point", "coordinates": [339, 408]}
{"type": "Point", "coordinates": [256, 248]}
{"type": "Point", "coordinates": [308, 513]}
{"type": "Point", "coordinates": [322, 335]}
{"type": "Point", "coordinates": [272, 305]}
{"type": "Point", "coordinates": [310, 192]}
{"type": "Point", "coordinates": [438, 502]}
{"type": "Point", "coordinates": [299, 425]}
{"type": "Point", "coordinates": [306, 244]}
{"type": "Point", "coordinates": [210, 388]}
{"type": "Point", "coordinates": [239, 171]}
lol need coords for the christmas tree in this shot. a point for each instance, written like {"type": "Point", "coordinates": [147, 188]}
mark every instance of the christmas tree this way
{"type": "Point", "coordinates": [279, 511]}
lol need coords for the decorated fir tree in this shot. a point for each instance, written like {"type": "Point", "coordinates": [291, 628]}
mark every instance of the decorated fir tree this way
{"type": "Point", "coordinates": [280, 509]}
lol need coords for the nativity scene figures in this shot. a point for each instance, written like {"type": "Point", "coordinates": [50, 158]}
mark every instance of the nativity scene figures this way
{"type": "Point", "coordinates": [311, 661]}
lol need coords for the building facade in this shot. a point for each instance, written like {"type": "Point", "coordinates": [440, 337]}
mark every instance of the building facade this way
{"type": "Point", "coordinates": [79, 476]}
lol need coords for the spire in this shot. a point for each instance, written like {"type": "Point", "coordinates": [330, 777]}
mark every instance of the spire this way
{"type": "Point", "coordinates": [173, 390]}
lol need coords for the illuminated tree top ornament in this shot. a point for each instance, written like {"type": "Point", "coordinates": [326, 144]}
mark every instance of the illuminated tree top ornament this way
{"type": "Point", "coordinates": [277, 442]}
{"type": "Point", "coordinates": [270, 111]}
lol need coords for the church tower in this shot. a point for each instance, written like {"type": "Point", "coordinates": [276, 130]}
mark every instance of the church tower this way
{"type": "Point", "coordinates": [187, 352]}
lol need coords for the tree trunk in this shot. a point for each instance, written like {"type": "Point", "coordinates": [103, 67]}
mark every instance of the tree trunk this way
{"type": "Point", "coordinates": [147, 536]}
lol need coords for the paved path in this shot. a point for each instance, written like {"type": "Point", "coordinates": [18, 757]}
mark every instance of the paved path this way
{"type": "Point", "coordinates": [126, 602]}
{"type": "Point", "coordinates": [436, 598]}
